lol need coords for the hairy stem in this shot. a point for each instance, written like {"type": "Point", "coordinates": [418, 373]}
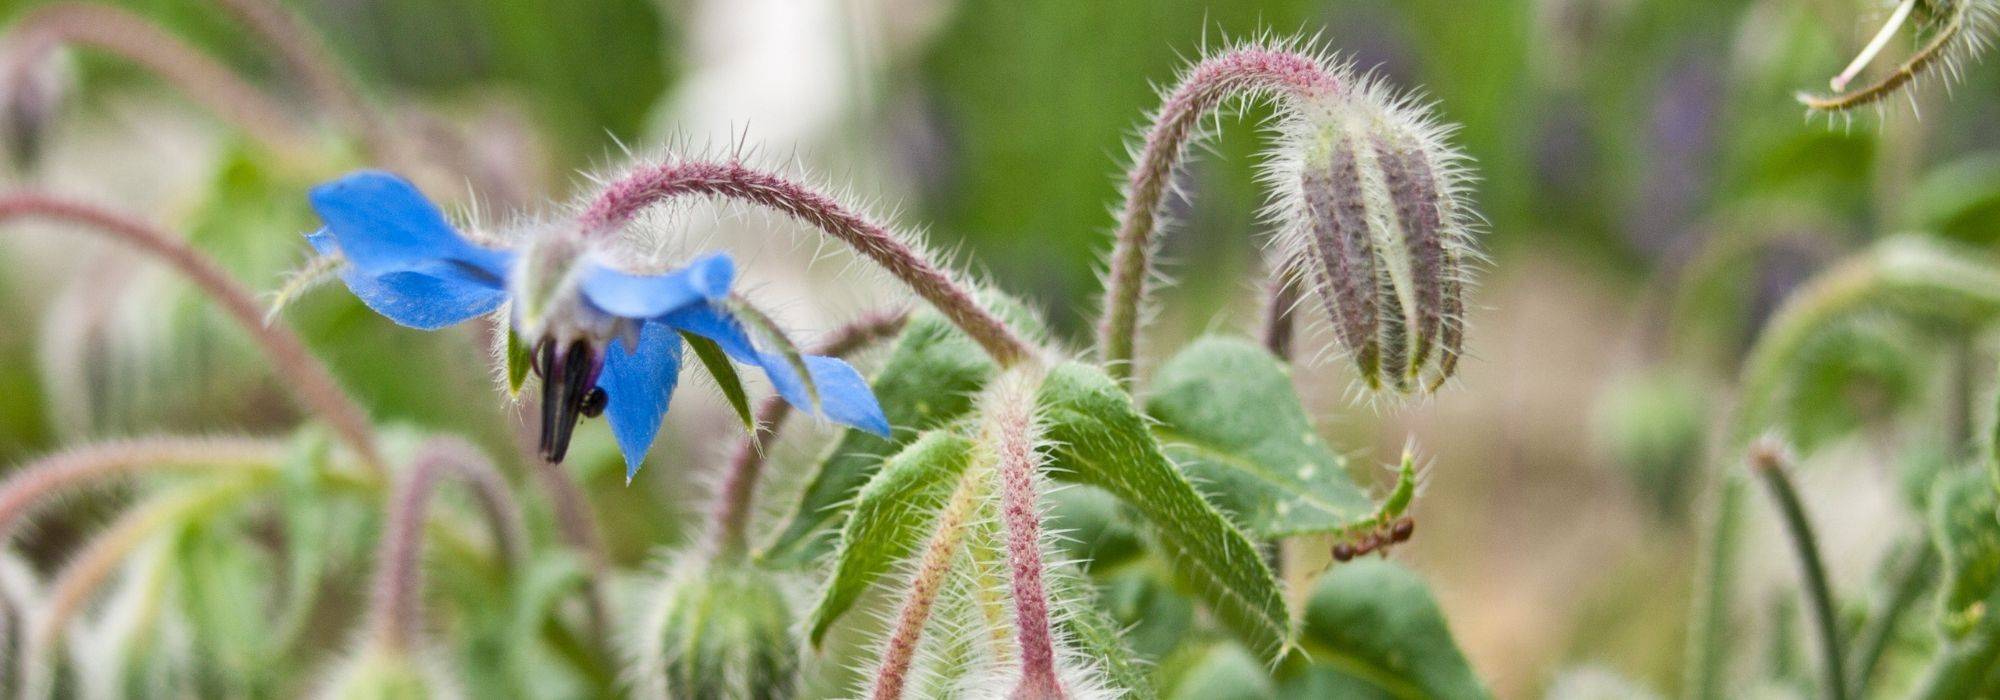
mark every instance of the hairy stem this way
{"type": "Point", "coordinates": [924, 586]}
{"type": "Point", "coordinates": [46, 480]}
{"type": "Point", "coordinates": [1770, 461]}
{"type": "Point", "coordinates": [1708, 635]}
{"type": "Point", "coordinates": [655, 184]}
{"type": "Point", "coordinates": [396, 609]}
{"type": "Point", "coordinates": [41, 31]}
{"type": "Point", "coordinates": [1012, 434]}
{"type": "Point", "coordinates": [84, 574]}
{"type": "Point", "coordinates": [308, 379]}
{"type": "Point", "coordinates": [1249, 71]}
{"type": "Point", "coordinates": [306, 54]}
{"type": "Point", "coordinates": [731, 519]}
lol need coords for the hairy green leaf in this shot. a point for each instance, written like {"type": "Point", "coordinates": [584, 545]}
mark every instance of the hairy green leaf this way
{"type": "Point", "coordinates": [1374, 621]}
{"type": "Point", "coordinates": [1099, 438]}
{"type": "Point", "coordinates": [1966, 528]}
{"type": "Point", "coordinates": [724, 372]}
{"type": "Point", "coordinates": [1095, 633]}
{"type": "Point", "coordinates": [519, 360]}
{"type": "Point", "coordinates": [1227, 413]}
{"type": "Point", "coordinates": [928, 380]}
{"type": "Point", "coordinates": [892, 518]}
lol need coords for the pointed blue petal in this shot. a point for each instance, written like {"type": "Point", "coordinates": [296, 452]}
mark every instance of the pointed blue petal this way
{"type": "Point", "coordinates": [639, 382]}
{"type": "Point", "coordinates": [421, 301]}
{"type": "Point", "coordinates": [650, 296]}
{"type": "Point", "coordinates": [383, 225]}
{"type": "Point", "coordinates": [844, 396]}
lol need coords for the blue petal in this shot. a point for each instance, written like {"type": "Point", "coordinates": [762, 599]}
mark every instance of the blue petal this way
{"type": "Point", "coordinates": [440, 296]}
{"type": "Point", "coordinates": [383, 225]}
{"type": "Point", "coordinates": [639, 382]}
{"type": "Point", "coordinates": [649, 296]}
{"type": "Point", "coordinates": [844, 396]}
{"type": "Point", "coordinates": [421, 301]}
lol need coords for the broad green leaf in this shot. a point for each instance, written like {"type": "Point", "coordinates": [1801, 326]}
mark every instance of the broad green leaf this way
{"type": "Point", "coordinates": [1099, 438]}
{"type": "Point", "coordinates": [1092, 631]}
{"type": "Point", "coordinates": [892, 518]}
{"type": "Point", "coordinates": [724, 372]}
{"type": "Point", "coordinates": [1374, 621]}
{"type": "Point", "coordinates": [1221, 670]}
{"type": "Point", "coordinates": [928, 380]}
{"type": "Point", "coordinates": [1966, 529]}
{"type": "Point", "coordinates": [1227, 413]}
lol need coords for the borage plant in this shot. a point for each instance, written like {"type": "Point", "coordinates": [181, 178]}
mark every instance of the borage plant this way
{"type": "Point", "coordinates": [1002, 517]}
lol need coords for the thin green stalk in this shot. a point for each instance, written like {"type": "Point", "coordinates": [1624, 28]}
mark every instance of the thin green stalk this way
{"type": "Point", "coordinates": [1708, 638]}
{"type": "Point", "coordinates": [1915, 563]}
{"type": "Point", "coordinates": [1770, 461]}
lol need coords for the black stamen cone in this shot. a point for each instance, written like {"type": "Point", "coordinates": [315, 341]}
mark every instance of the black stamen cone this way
{"type": "Point", "coordinates": [568, 383]}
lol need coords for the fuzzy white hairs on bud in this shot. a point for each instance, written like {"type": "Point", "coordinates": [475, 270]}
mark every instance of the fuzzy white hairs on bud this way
{"type": "Point", "coordinates": [1370, 201]}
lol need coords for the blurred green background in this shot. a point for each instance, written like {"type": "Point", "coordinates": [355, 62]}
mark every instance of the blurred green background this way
{"type": "Point", "coordinates": [1650, 187]}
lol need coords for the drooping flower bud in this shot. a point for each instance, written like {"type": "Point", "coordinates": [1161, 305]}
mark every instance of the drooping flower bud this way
{"type": "Point", "coordinates": [718, 630]}
{"type": "Point", "coordinates": [31, 93]}
{"type": "Point", "coordinates": [1370, 201]}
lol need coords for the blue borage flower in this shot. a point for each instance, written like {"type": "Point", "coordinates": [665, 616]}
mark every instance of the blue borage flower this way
{"type": "Point", "coordinates": [603, 340]}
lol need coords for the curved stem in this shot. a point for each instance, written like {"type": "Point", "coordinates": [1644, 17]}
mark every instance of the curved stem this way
{"type": "Point", "coordinates": [396, 608]}
{"type": "Point", "coordinates": [654, 184]}
{"type": "Point", "coordinates": [1770, 461]}
{"type": "Point", "coordinates": [1708, 635]}
{"type": "Point", "coordinates": [37, 35]}
{"type": "Point", "coordinates": [306, 54]}
{"type": "Point", "coordinates": [1013, 436]}
{"type": "Point", "coordinates": [947, 534]}
{"type": "Point", "coordinates": [730, 521]}
{"type": "Point", "coordinates": [48, 479]}
{"type": "Point", "coordinates": [1249, 71]}
{"type": "Point", "coordinates": [308, 379]}
{"type": "Point", "coordinates": [1914, 564]}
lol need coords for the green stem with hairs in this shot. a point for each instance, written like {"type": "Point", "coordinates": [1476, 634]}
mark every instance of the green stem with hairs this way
{"type": "Point", "coordinates": [1770, 462]}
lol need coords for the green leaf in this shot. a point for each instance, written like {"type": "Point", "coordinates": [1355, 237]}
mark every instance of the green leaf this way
{"type": "Point", "coordinates": [519, 358]}
{"type": "Point", "coordinates": [1099, 438]}
{"type": "Point", "coordinates": [892, 518]}
{"type": "Point", "coordinates": [929, 380]}
{"type": "Point", "coordinates": [1221, 670]}
{"type": "Point", "coordinates": [1374, 621]}
{"type": "Point", "coordinates": [1095, 633]}
{"type": "Point", "coordinates": [1966, 528]}
{"type": "Point", "coordinates": [1227, 413]}
{"type": "Point", "coordinates": [724, 372]}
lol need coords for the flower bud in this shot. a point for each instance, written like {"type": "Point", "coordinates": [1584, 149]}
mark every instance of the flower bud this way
{"type": "Point", "coordinates": [719, 630]}
{"type": "Point", "coordinates": [31, 93]}
{"type": "Point", "coordinates": [1371, 202]}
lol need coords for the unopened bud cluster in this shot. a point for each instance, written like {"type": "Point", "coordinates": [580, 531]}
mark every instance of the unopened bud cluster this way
{"type": "Point", "coordinates": [718, 630]}
{"type": "Point", "coordinates": [1370, 201]}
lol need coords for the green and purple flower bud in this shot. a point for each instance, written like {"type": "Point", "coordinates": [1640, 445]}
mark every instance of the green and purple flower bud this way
{"type": "Point", "coordinates": [718, 630]}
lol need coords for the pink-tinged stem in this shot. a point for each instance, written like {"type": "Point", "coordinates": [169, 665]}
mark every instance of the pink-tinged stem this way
{"type": "Point", "coordinates": [731, 519]}
{"type": "Point", "coordinates": [41, 31]}
{"type": "Point", "coordinates": [1013, 436]}
{"type": "Point", "coordinates": [308, 379]}
{"type": "Point", "coordinates": [947, 534]}
{"type": "Point", "coordinates": [648, 185]}
{"type": "Point", "coordinates": [396, 610]}
{"type": "Point", "coordinates": [48, 479]}
{"type": "Point", "coordinates": [1243, 72]}
{"type": "Point", "coordinates": [309, 58]}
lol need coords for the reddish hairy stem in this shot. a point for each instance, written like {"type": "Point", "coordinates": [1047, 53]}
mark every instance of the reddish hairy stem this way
{"type": "Point", "coordinates": [653, 184]}
{"type": "Point", "coordinates": [1243, 72]}
{"type": "Point", "coordinates": [308, 379]}
{"type": "Point", "coordinates": [37, 35]}
{"type": "Point", "coordinates": [44, 480]}
{"type": "Point", "coordinates": [924, 587]}
{"type": "Point", "coordinates": [396, 610]}
{"type": "Point", "coordinates": [1013, 439]}
{"type": "Point", "coordinates": [739, 485]}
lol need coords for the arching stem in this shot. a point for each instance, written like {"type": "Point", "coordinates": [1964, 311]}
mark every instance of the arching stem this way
{"type": "Point", "coordinates": [730, 521]}
{"type": "Point", "coordinates": [396, 608]}
{"type": "Point", "coordinates": [1248, 71]}
{"type": "Point", "coordinates": [649, 185]}
{"type": "Point", "coordinates": [308, 379]}
{"type": "Point", "coordinates": [1770, 461]}
{"type": "Point", "coordinates": [41, 31]}
{"type": "Point", "coordinates": [925, 584]}
{"type": "Point", "coordinates": [35, 484]}
{"type": "Point", "coordinates": [306, 54]}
